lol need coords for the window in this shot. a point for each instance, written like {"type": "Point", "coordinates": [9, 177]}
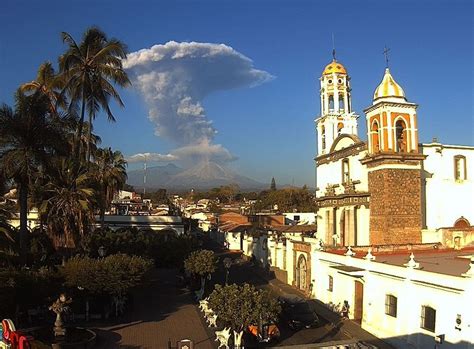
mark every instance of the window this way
{"type": "Point", "coordinates": [391, 305]}
{"type": "Point", "coordinates": [341, 102]}
{"type": "Point", "coordinates": [323, 138]}
{"type": "Point", "coordinates": [330, 285]}
{"type": "Point", "coordinates": [331, 102]}
{"type": "Point", "coordinates": [296, 217]}
{"type": "Point", "coordinates": [428, 318]}
{"type": "Point", "coordinates": [345, 171]}
{"type": "Point", "coordinates": [460, 170]}
{"type": "Point", "coordinates": [400, 136]}
{"type": "Point", "coordinates": [375, 137]}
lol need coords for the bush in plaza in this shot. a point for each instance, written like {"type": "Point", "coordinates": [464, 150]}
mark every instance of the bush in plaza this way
{"type": "Point", "coordinates": [166, 251]}
{"type": "Point", "coordinates": [202, 263]}
{"type": "Point", "coordinates": [239, 306]}
{"type": "Point", "coordinates": [114, 274]}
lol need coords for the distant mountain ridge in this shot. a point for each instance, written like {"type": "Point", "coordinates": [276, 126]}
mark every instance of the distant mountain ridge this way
{"type": "Point", "coordinates": [204, 175]}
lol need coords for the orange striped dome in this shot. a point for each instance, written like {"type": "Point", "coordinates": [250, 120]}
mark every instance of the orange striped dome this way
{"type": "Point", "coordinates": [389, 88]}
{"type": "Point", "coordinates": [334, 67]}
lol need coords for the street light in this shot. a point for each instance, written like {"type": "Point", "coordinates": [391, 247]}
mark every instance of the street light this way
{"type": "Point", "coordinates": [227, 264]}
{"type": "Point", "coordinates": [101, 251]}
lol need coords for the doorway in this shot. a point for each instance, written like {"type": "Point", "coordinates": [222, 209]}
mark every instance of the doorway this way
{"type": "Point", "coordinates": [358, 301]}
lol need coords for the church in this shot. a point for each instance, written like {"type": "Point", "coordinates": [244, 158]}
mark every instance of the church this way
{"type": "Point", "coordinates": [389, 188]}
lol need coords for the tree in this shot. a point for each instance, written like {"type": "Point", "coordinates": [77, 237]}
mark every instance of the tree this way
{"type": "Point", "coordinates": [47, 83]}
{"type": "Point", "coordinates": [239, 306]}
{"type": "Point", "coordinates": [90, 69]}
{"type": "Point", "coordinates": [28, 139]}
{"type": "Point", "coordinates": [69, 202]}
{"type": "Point", "coordinates": [273, 184]}
{"type": "Point", "coordinates": [111, 174]}
{"type": "Point", "coordinates": [202, 262]}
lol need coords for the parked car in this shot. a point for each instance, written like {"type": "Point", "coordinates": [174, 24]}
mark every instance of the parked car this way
{"type": "Point", "coordinates": [298, 313]}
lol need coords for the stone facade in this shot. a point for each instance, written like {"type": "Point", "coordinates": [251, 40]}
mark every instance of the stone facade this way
{"type": "Point", "coordinates": [395, 206]}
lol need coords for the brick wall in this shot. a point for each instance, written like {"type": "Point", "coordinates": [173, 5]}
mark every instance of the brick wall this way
{"type": "Point", "coordinates": [395, 206]}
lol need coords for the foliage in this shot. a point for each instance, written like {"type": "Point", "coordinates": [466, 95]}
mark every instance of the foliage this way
{"type": "Point", "coordinates": [26, 289]}
{"type": "Point", "coordinates": [273, 184]}
{"type": "Point", "coordinates": [158, 197]}
{"type": "Point", "coordinates": [239, 306]}
{"type": "Point", "coordinates": [301, 200]}
{"type": "Point", "coordinates": [90, 68]}
{"type": "Point", "coordinates": [202, 262]}
{"type": "Point", "coordinates": [225, 193]}
{"type": "Point", "coordinates": [169, 252]}
{"type": "Point", "coordinates": [114, 275]}
{"type": "Point", "coordinates": [28, 138]}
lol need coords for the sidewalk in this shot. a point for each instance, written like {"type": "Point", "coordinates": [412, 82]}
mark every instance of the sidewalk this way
{"type": "Point", "coordinates": [349, 328]}
{"type": "Point", "coordinates": [160, 312]}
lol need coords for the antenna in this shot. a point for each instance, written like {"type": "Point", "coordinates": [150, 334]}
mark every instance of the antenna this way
{"type": "Point", "coordinates": [333, 48]}
{"type": "Point", "coordinates": [144, 177]}
{"type": "Point", "coordinates": [386, 50]}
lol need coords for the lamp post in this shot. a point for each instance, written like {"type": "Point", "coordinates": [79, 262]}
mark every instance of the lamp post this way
{"type": "Point", "coordinates": [227, 264]}
{"type": "Point", "coordinates": [101, 251]}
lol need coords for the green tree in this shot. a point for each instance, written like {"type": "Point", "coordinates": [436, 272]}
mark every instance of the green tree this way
{"type": "Point", "coordinates": [49, 84]}
{"type": "Point", "coordinates": [202, 262]}
{"type": "Point", "coordinates": [69, 202]}
{"type": "Point", "coordinates": [111, 174]}
{"type": "Point", "coordinates": [28, 139]}
{"type": "Point", "coordinates": [273, 184]}
{"type": "Point", "coordinates": [239, 306]}
{"type": "Point", "coordinates": [90, 69]}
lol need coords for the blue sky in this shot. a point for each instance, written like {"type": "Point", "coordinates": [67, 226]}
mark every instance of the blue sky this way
{"type": "Point", "coordinates": [269, 127]}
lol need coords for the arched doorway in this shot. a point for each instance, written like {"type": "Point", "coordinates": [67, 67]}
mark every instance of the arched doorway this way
{"type": "Point", "coordinates": [301, 270]}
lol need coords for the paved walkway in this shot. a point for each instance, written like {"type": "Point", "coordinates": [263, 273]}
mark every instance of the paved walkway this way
{"type": "Point", "coordinates": [160, 312]}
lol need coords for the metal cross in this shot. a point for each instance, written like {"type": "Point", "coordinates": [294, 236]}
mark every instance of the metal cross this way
{"type": "Point", "coordinates": [386, 50]}
{"type": "Point", "coordinates": [333, 48]}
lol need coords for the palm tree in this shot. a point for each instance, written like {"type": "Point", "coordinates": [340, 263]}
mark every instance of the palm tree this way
{"type": "Point", "coordinates": [111, 176]}
{"type": "Point", "coordinates": [90, 69]}
{"type": "Point", "coordinates": [48, 83]}
{"type": "Point", "coordinates": [69, 202]}
{"type": "Point", "coordinates": [28, 138]}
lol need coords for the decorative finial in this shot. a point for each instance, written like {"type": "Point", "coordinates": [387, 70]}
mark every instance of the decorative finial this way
{"type": "Point", "coordinates": [349, 252]}
{"type": "Point", "coordinates": [386, 50]}
{"type": "Point", "coordinates": [333, 48]}
{"type": "Point", "coordinates": [412, 263]}
{"type": "Point", "coordinates": [369, 256]}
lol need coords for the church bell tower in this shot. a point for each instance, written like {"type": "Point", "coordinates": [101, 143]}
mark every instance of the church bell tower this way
{"type": "Point", "coordinates": [336, 107]}
{"type": "Point", "coordinates": [394, 166]}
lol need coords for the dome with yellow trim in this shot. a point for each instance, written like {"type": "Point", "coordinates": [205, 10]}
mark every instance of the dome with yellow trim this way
{"type": "Point", "coordinates": [389, 89]}
{"type": "Point", "coordinates": [334, 67]}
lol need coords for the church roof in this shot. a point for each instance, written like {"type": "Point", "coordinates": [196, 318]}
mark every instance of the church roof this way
{"type": "Point", "coordinates": [334, 67]}
{"type": "Point", "coordinates": [389, 88]}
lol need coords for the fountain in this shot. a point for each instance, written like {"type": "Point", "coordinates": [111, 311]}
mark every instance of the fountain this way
{"type": "Point", "coordinates": [59, 337]}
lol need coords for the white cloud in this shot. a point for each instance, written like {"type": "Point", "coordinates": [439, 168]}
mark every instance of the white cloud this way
{"type": "Point", "coordinates": [174, 78]}
{"type": "Point", "coordinates": [204, 151]}
{"type": "Point", "coordinates": [141, 157]}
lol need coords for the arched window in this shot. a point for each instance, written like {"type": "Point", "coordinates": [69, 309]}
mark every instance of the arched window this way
{"type": "Point", "coordinates": [345, 171]}
{"type": "Point", "coordinates": [331, 103]}
{"type": "Point", "coordinates": [460, 169]}
{"type": "Point", "coordinates": [400, 137]}
{"type": "Point", "coordinates": [375, 132]}
{"type": "Point", "coordinates": [323, 137]}
{"type": "Point", "coordinates": [341, 103]}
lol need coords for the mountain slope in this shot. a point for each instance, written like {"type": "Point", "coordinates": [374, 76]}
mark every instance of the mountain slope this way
{"type": "Point", "coordinates": [205, 175]}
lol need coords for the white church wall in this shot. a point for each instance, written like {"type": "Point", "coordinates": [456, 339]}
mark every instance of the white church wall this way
{"type": "Point", "coordinates": [447, 199]}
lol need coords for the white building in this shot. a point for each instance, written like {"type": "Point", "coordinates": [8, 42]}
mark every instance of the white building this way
{"type": "Point", "coordinates": [387, 189]}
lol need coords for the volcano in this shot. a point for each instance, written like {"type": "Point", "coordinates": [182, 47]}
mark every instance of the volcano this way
{"type": "Point", "coordinates": [204, 175]}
